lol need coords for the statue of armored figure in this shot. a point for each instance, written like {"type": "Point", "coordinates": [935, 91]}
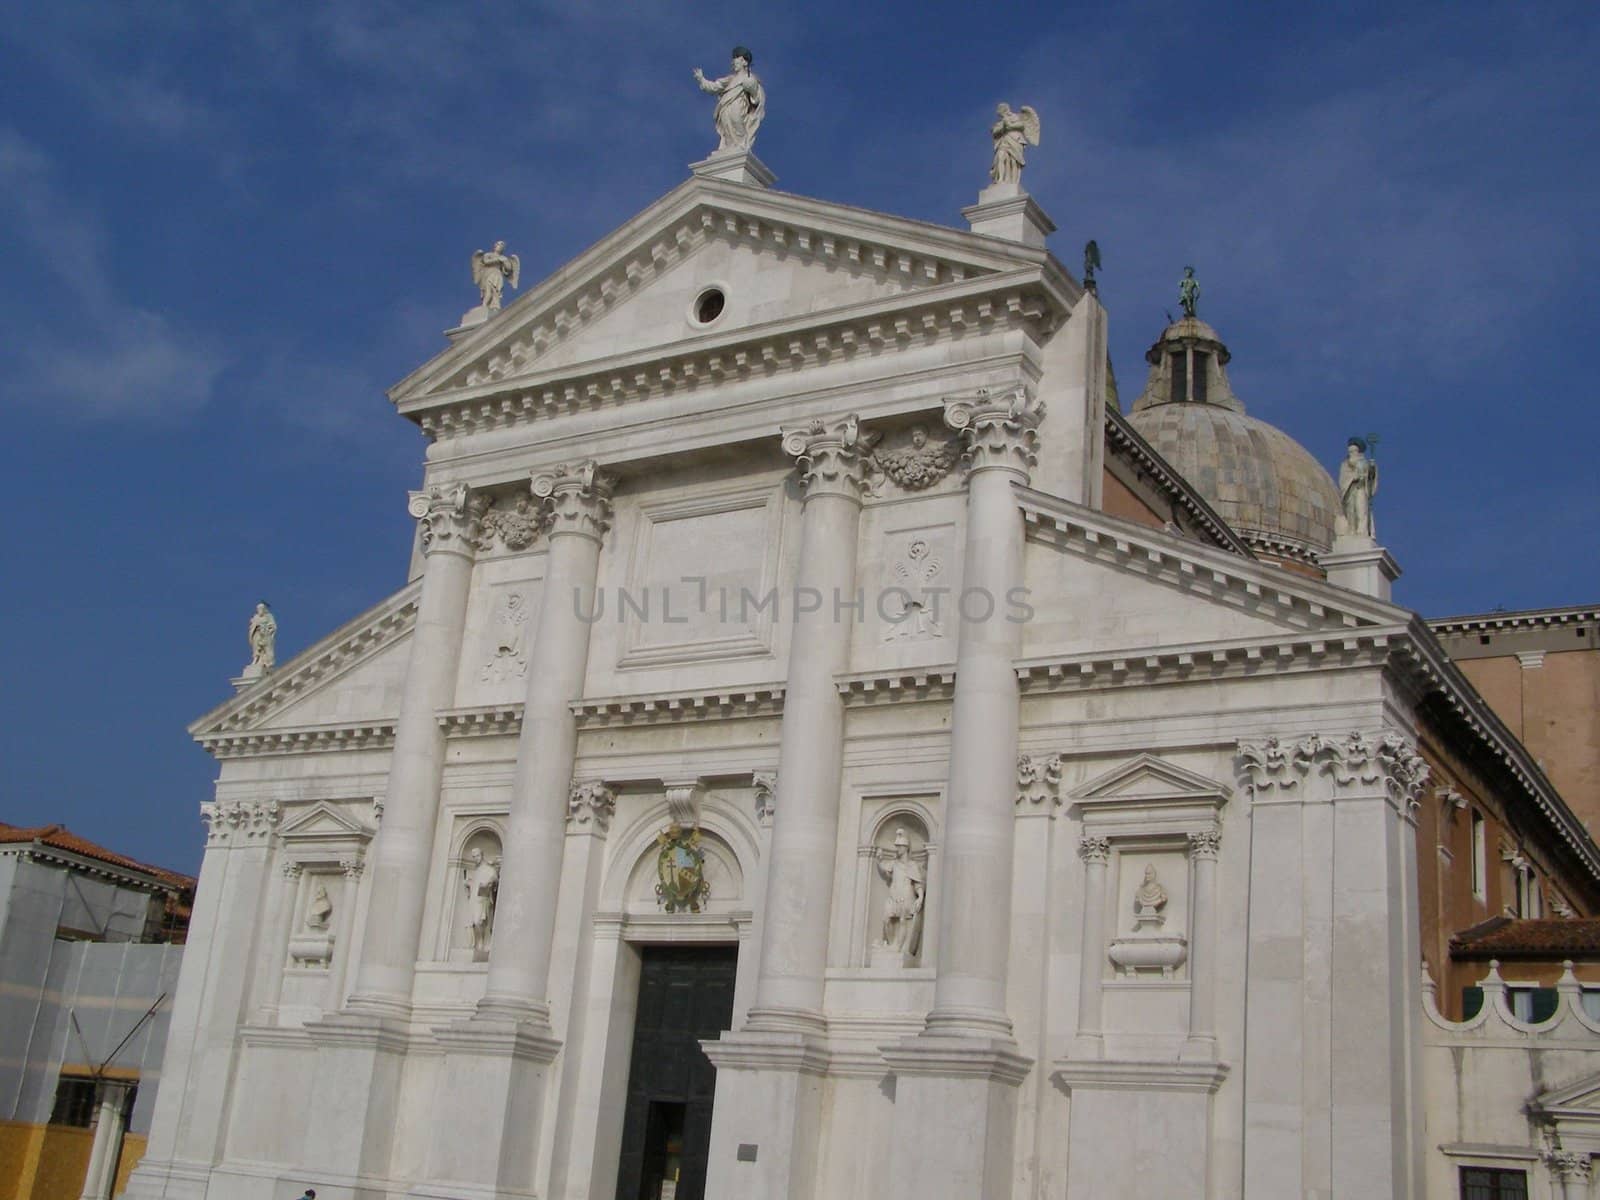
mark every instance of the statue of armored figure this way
{"type": "Point", "coordinates": [902, 911]}
{"type": "Point", "coordinates": [741, 103]}
{"type": "Point", "coordinates": [482, 879]}
{"type": "Point", "coordinates": [1358, 483]}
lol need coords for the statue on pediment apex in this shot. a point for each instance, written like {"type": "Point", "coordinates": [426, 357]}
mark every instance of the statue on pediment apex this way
{"type": "Point", "coordinates": [741, 103]}
{"type": "Point", "coordinates": [263, 635]}
{"type": "Point", "coordinates": [1013, 133]}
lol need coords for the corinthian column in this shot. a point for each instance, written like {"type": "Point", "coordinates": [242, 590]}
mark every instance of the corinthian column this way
{"type": "Point", "coordinates": [450, 519]}
{"type": "Point", "coordinates": [955, 1097]}
{"type": "Point", "coordinates": [577, 508]}
{"type": "Point", "coordinates": [769, 1073]}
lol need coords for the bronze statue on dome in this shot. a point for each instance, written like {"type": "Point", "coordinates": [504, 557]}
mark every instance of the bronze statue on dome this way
{"type": "Point", "coordinates": [1188, 291]}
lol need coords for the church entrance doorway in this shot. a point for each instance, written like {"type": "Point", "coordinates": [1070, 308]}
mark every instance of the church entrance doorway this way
{"type": "Point", "coordinates": [685, 994]}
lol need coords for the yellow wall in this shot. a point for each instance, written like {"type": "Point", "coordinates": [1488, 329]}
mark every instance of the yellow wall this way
{"type": "Point", "coordinates": [48, 1162]}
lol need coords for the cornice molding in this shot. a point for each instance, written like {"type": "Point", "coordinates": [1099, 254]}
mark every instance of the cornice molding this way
{"type": "Point", "coordinates": [901, 684]}
{"type": "Point", "coordinates": [751, 700]}
{"type": "Point", "coordinates": [1527, 619]}
{"type": "Point", "coordinates": [299, 739]}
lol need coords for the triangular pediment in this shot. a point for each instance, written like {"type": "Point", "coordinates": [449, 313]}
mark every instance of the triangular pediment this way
{"type": "Point", "coordinates": [1580, 1096]}
{"type": "Point", "coordinates": [323, 822]}
{"type": "Point", "coordinates": [1149, 777]}
{"type": "Point", "coordinates": [781, 257]}
{"type": "Point", "coordinates": [347, 677]}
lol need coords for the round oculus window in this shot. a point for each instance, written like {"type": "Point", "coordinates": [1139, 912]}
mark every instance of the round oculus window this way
{"type": "Point", "coordinates": [708, 305]}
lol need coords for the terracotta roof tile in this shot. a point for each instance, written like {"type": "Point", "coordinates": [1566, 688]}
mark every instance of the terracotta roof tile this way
{"type": "Point", "coordinates": [1509, 937]}
{"type": "Point", "coordinates": [60, 837]}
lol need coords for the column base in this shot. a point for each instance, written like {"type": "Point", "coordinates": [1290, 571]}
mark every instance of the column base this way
{"type": "Point", "coordinates": [955, 1115]}
{"type": "Point", "coordinates": [354, 1105]}
{"type": "Point", "coordinates": [485, 1144]}
{"type": "Point", "coordinates": [767, 1118]}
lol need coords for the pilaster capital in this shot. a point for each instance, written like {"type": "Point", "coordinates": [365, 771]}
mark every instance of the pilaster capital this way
{"type": "Point", "coordinates": [1356, 762]}
{"type": "Point", "coordinates": [832, 456]}
{"type": "Point", "coordinates": [352, 866]}
{"type": "Point", "coordinates": [291, 871]}
{"type": "Point", "coordinates": [1094, 849]}
{"type": "Point", "coordinates": [1205, 843]}
{"type": "Point", "coordinates": [591, 803]}
{"type": "Point", "coordinates": [1569, 1166]}
{"type": "Point", "coordinates": [240, 822]}
{"type": "Point", "coordinates": [766, 785]}
{"type": "Point", "coordinates": [575, 498]}
{"type": "Point", "coordinates": [1039, 780]}
{"type": "Point", "coordinates": [451, 517]}
{"type": "Point", "coordinates": [998, 429]}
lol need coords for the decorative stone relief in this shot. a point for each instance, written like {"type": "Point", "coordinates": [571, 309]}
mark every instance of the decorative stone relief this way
{"type": "Point", "coordinates": [239, 822]}
{"type": "Point", "coordinates": [681, 884]}
{"type": "Point", "coordinates": [451, 517]}
{"type": "Point", "coordinates": [514, 522]}
{"type": "Point", "coordinates": [1039, 780]}
{"type": "Point", "coordinates": [1357, 760]}
{"type": "Point", "coordinates": [901, 937]}
{"type": "Point", "coordinates": [766, 785]}
{"type": "Point", "coordinates": [916, 571]}
{"type": "Point", "coordinates": [920, 463]}
{"type": "Point", "coordinates": [1569, 1166]}
{"type": "Point", "coordinates": [832, 457]}
{"type": "Point", "coordinates": [352, 866]}
{"type": "Point", "coordinates": [997, 430]}
{"type": "Point", "coordinates": [510, 638]}
{"type": "Point", "coordinates": [590, 805]}
{"type": "Point", "coordinates": [1094, 849]}
{"type": "Point", "coordinates": [1205, 843]}
{"type": "Point", "coordinates": [575, 498]}
{"type": "Point", "coordinates": [291, 871]}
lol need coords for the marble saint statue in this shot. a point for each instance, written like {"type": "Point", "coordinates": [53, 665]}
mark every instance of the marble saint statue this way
{"type": "Point", "coordinates": [1358, 483]}
{"type": "Point", "coordinates": [263, 636]}
{"type": "Point", "coordinates": [1013, 133]}
{"type": "Point", "coordinates": [491, 270]}
{"type": "Point", "coordinates": [482, 878]}
{"type": "Point", "coordinates": [1188, 291]}
{"type": "Point", "coordinates": [320, 910]}
{"type": "Point", "coordinates": [741, 103]}
{"type": "Point", "coordinates": [902, 911]}
{"type": "Point", "coordinates": [1149, 899]}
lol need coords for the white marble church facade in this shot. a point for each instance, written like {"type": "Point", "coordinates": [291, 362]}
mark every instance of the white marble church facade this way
{"type": "Point", "coordinates": [714, 565]}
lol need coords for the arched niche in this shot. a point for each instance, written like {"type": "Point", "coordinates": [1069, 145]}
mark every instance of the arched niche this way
{"type": "Point", "coordinates": [485, 836]}
{"type": "Point", "coordinates": [877, 858]}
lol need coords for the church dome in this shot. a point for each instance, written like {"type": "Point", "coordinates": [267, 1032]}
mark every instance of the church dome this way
{"type": "Point", "coordinates": [1261, 481]}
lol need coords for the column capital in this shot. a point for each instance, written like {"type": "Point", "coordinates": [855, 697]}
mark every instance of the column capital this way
{"type": "Point", "coordinates": [591, 803]}
{"type": "Point", "coordinates": [1569, 1166]}
{"type": "Point", "coordinates": [998, 429]}
{"type": "Point", "coordinates": [451, 516]}
{"type": "Point", "coordinates": [1039, 780]}
{"type": "Point", "coordinates": [575, 498]}
{"type": "Point", "coordinates": [832, 456]}
{"type": "Point", "coordinates": [1359, 763]}
{"type": "Point", "coordinates": [1205, 843]}
{"type": "Point", "coordinates": [1094, 849]}
{"type": "Point", "coordinates": [766, 785]}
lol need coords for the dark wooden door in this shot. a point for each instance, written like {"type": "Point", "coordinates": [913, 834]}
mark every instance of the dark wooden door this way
{"type": "Point", "coordinates": [685, 994]}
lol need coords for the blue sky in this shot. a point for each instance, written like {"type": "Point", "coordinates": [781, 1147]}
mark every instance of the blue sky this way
{"type": "Point", "coordinates": [225, 228]}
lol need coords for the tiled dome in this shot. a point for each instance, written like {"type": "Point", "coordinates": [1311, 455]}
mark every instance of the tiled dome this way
{"type": "Point", "coordinates": [1259, 479]}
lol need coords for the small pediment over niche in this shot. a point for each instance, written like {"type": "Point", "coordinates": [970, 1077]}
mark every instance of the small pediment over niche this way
{"type": "Point", "coordinates": [324, 822]}
{"type": "Point", "coordinates": [1148, 778]}
{"type": "Point", "coordinates": [1581, 1098]}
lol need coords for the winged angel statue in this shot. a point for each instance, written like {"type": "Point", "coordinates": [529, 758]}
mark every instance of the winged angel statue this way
{"type": "Point", "coordinates": [1013, 132]}
{"type": "Point", "coordinates": [490, 271]}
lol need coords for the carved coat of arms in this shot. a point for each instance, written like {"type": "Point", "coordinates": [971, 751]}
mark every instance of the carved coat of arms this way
{"type": "Point", "coordinates": [681, 884]}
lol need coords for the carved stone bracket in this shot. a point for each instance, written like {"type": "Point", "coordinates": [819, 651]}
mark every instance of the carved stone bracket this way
{"type": "Point", "coordinates": [575, 498]}
{"type": "Point", "coordinates": [1205, 843]}
{"type": "Point", "coordinates": [451, 517]}
{"type": "Point", "coordinates": [1039, 780]}
{"type": "Point", "coordinates": [1094, 849]}
{"type": "Point", "coordinates": [590, 806]}
{"type": "Point", "coordinates": [239, 822]}
{"type": "Point", "coordinates": [998, 430]}
{"type": "Point", "coordinates": [1355, 762]}
{"type": "Point", "coordinates": [684, 797]}
{"type": "Point", "coordinates": [766, 785]}
{"type": "Point", "coordinates": [833, 457]}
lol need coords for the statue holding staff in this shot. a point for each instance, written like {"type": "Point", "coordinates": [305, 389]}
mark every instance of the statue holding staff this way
{"type": "Point", "coordinates": [1358, 483]}
{"type": "Point", "coordinates": [741, 103]}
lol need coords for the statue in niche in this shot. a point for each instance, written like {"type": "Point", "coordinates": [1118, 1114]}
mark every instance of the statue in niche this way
{"type": "Point", "coordinates": [1188, 291]}
{"type": "Point", "coordinates": [902, 911]}
{"type": "Point", "coordinates": [918, 569]}
{"type": "Point", "coordinates": [490, 271]}
{"type": "Point", "coordinates": [482, 879]}
{"type": "Point", "coordinates": [1013, 133]}
{"type": "Point", "coordinates": [741, 103]}
{"type": "Point", "coordinates": [1149, 900]}
{"type": "Point", "coordinates": [509, 660]}
{"type": "Point", "coordinates": [921, 464]}
{"type": "Point", "coordinates": [320, 910]}
{"type": "Point", "coordinates": [1358, 483]}
{"type": "Point", "coordinates": [263, 635]}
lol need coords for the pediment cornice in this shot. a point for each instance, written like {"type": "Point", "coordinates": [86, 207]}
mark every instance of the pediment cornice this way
{"type": "Point", "coordinates": [916, 255]}
{"type": "Point", "coordinates": [345, 648]}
